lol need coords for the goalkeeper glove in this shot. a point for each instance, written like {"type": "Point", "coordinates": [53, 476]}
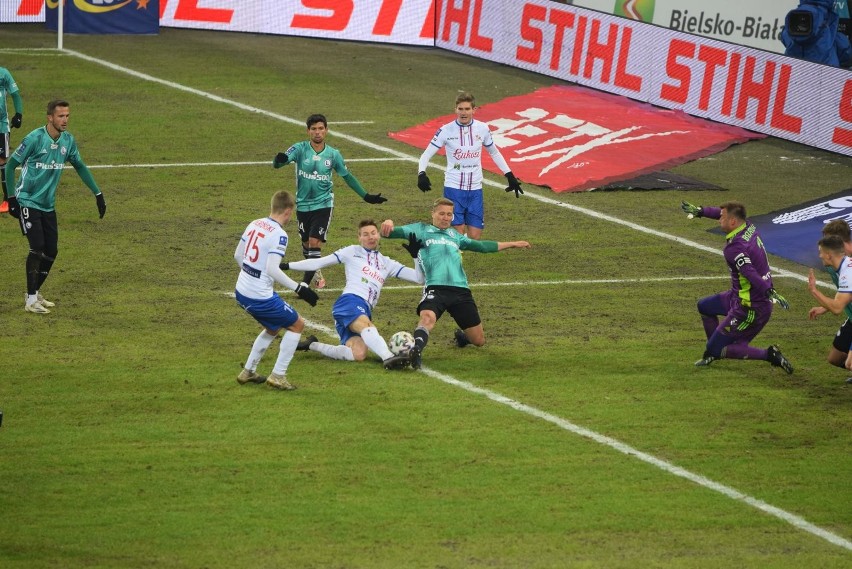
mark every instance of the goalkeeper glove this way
{"type": "Point", "coordinates": [374, 199]}
{"type": "Point", "coordinates": [14, 208]}
{"type": "Point", "coordinates": [777, 298]}
{"type": "Point", "coordinates": [101, 204]}
{"type": "Point", "coordinates": [689, 209]}
{"type": "Point", "coordinates": [16, 121]}
{"type": "Point", "coordinates": [413, 246]}
{"type": "Point", "coordinates": [280, 159]}
{"type": "Point", "coordinates": [514, 185]}
{"type": "Point", "coordinates": [284, 266]}
{"type": "Point", "coordinates": [304, 292]}
{"type": "Point", "coordinates": [423, 182]}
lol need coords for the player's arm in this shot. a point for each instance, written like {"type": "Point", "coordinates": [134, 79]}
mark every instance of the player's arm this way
{"type": "Point", "coordinates": [356, 186]}
{"type": "Point", "coordinates": [513, 245]}
{"type": "Point", "coordinates": [834, 305]}
{"type": "Point", "coordinates": [700, 211]}
{"type": "Point", "coordinates": [301, 289]}
{"type": "Point", "coordinates": [427, 155]}
{"type": "Point", "coordinates": [312, 264]}
{"type": "Point", "coordinates": [11, 165]}
{"type": "Point", "coordinates": [401, 232]}
{"type": "Point", "coordinates": [86, 175]}
{"type": "Point", "coordinates": [15, 121]}
{"type": "Point", "coordinates": [497, 156]}
{"type": "Point", "coordinates": [240, 252]}
{"type": "Point", "coordinates": [414, 275]}
{"type": "Point", "coordinates": [283, 158]}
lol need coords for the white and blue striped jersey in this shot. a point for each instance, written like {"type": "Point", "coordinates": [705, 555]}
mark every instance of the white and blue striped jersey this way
{"type": "Point", "coordinates": [463, 144]}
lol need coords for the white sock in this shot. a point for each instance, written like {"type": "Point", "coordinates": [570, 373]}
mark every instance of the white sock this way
{"type": "Point", "coordinates": [376, 343]}
{"type": "Point", "coordinates": [338, 352]}
{"type": "Point", "coordinates": [285, 353]}
{"type": "Point", "coordinates": [261, 343]}
{"type": "Point", "coordinates": [31, 298]}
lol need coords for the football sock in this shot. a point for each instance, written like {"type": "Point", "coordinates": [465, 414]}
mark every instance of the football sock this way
{"type": "Point", "coordinates": [376, 343]}
{"type": "Point", "coordinates": [31, 298]}
{"type": "Point", "coordinates": [33, 262]}
{"type": "Point", "coordinates": [285, 353]}
{"type": "Point", "coordinates": [338, 352]}
{"type": "Point", "coordinates": [3, 181]}
{"type": "Point", "coordinates": [421, 338]}
{"type": "Point", "coordinates": [261, 343]}
{"type": "Point", "coordinates": [745, 352]}
{"type": "Point", "coordinates": [310, 253]}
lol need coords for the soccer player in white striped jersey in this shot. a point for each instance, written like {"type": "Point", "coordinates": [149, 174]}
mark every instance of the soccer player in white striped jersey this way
{"type": "Point", "coordinates": [366, 273]}
{"type": "Point", "coordinates": [259, 254]}
{"type": "Point", "coordinates": [464, 139]}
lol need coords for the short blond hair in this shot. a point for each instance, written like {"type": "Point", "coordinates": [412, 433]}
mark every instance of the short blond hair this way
{"type": "Point", "coordinates": [282, 200]}
{"type": "Point", "coordinates": [440, 202]}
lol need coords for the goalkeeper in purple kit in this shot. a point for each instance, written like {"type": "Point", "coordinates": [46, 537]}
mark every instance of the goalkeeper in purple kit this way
{"type": "Point", "coordinates": [747, 306]}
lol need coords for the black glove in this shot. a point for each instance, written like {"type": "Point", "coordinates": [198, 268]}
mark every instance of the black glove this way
{"type": "Point", "coordinates": [689, 209]}
{"type": "Point", "coordinates": [14, 208]}
{"type": "Point", "coordinates": [423, 182]}
{"type": "Point", "coordinates": [16, 121]}
{"type": "Point", "coordinates": [280, 158]}
{"type": "Point", "coordinates": [101, 204]}
{"type": "Point", "coordinates": [370, 198]}
{"type": "Point", "coordinates": [305, 293]}
{"type": "Point", "coordinates": [514, 185]}
{"type": "Point", "coordinates": [413, 246]}
{"type": "Point", "coordinates": [284, 266]}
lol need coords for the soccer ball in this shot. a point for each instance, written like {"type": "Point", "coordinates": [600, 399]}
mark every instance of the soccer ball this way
{"type": "Point", "coordinates": [401, 343]}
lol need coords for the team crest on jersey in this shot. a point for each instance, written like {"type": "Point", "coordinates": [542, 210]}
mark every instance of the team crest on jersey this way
{"type": "Point", "coordinates": [327, 163]}
{"type": "Point", "coordinates": [63, 151]}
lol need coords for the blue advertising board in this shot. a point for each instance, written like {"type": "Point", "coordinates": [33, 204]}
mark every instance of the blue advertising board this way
{"type": "Point", "coordinates": [105, 16]}
{"type": "Point", "coordinates": [793, 232]}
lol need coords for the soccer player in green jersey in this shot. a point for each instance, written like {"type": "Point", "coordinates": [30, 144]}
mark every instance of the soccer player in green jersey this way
{"type": "Point", "coordinates": [446, 288]}
{"type": "Point", "coordinates": [7, 87]}
{"type": "Point", "coordinates": [315, 161]}
{"type": "Point", "coordinates": [42, 155]}
{"type": "Point", "coordinates": [835, 251]}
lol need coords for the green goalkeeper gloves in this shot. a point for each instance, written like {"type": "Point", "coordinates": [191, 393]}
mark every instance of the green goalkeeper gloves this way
{"type": "Point", "coordinates": [777, 299]}
{"type": "Point", "coordinates": [691, 210]}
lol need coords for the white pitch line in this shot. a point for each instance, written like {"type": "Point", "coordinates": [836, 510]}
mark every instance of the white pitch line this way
{"type": "Point", "coordinates": [783, 515]}
{"type": "Point", "coordinates": [623, 448]}
{"type": "Point", "coordinates": [542, 283]}
{"type": "Point", "coordinates": [208, 164]}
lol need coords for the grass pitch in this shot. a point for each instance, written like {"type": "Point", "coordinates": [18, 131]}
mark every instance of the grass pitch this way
{"type": "Point", "coordinates": [126, 441]}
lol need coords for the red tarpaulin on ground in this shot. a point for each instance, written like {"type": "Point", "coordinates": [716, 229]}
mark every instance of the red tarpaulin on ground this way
{"type": "Point", "coordinates": [573, 138]}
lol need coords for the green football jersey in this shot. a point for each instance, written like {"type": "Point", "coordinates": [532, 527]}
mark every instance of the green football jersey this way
{"type": "Point", "coordinates": [42, 160]}
{"type": "Point", "coordinates": [835, 278]}
{"type": "Point", "coordinates": [440, 256]}
{"type": "Point", "coordinates": [313, 174]}
{"type": "Point", "coordinates": [7, 87]}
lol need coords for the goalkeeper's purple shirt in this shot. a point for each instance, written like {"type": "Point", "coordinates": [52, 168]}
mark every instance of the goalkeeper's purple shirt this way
{"type": "Point", "coordinates": [751, 277]}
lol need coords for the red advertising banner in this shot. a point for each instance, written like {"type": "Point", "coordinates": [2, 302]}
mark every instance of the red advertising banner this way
{"type": "Point", "coordinates": [571, 138]}
{"type": "Point", "coordinates": [726, 82]}
{"type": "Point", "coordinates": [737, 85]}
